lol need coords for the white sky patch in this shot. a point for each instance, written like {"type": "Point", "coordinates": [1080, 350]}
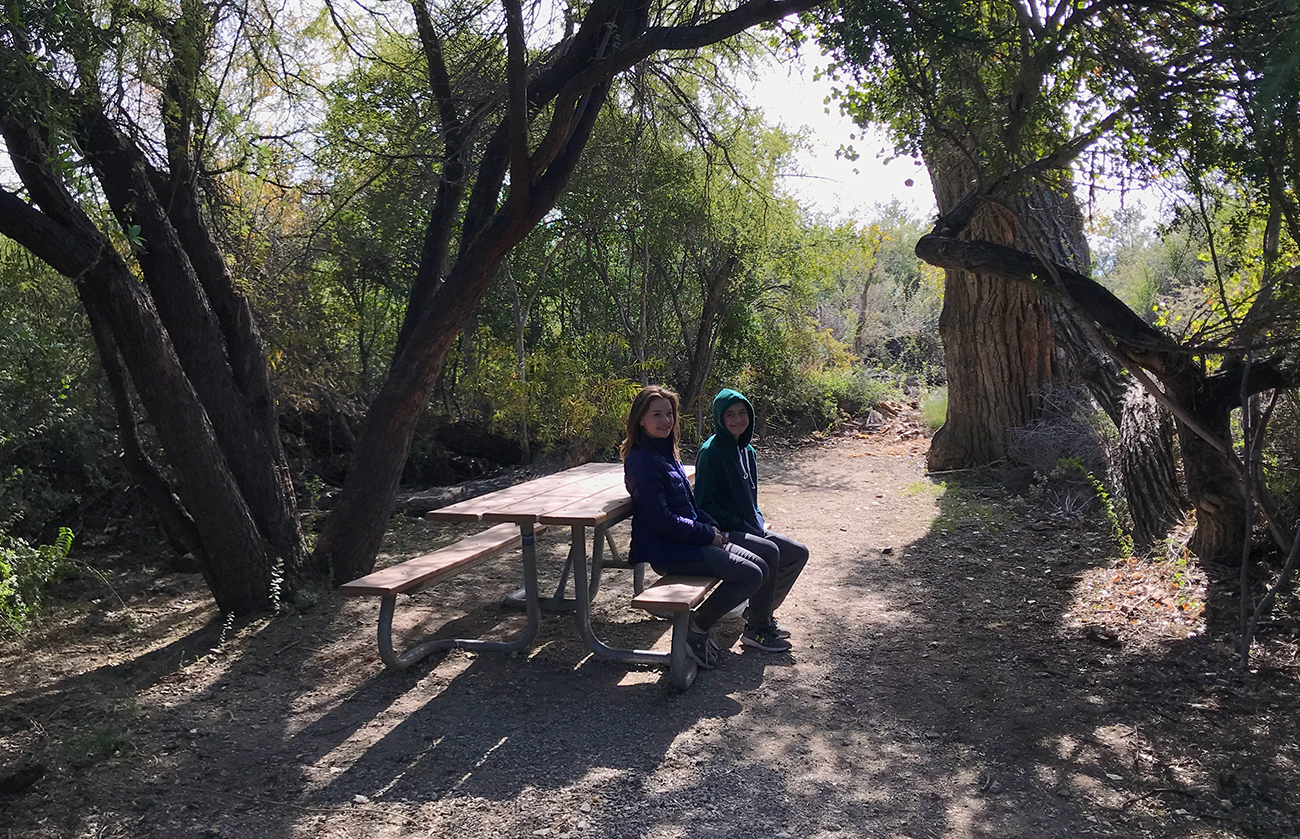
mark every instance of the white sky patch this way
{"type": "Point", "coordinates": [825, 182]}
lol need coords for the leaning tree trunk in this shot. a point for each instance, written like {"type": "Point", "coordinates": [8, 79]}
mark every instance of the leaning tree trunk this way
{"type": "Point", "coordinates": [1202, 403]}
{"type": "Point", "coordinates": [217, 459]}
{"type": "Point", "coordinates": [1147, 461]}
{"type": "Point", "coordinates": [570, 86]}
{"type": "Point", "coordinates": [350, 538]}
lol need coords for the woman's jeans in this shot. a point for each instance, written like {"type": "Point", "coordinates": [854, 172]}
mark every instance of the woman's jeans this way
{"type": "Point", "coordinates": [743, 574]}
{"type": "Point", "coordinates": [782, 554]}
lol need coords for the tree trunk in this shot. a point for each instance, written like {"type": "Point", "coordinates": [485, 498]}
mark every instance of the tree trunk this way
{"type": "Point", "coordinates": [1148, 471]}
{"type": "Point", "coordinates": [715, 290]}
{"type": "Point", "coordinates": [237, 559]}
{"type": "Point", "coordinates": [1223, 518]}
{"type": "Point", "coordinates": [355, 527]}
{"type": "Point", "coordinates": [997, 341]}
{"type": "Point", "coordinates": [1147, 461]}
{"type": "Point", "coordinates": [1203, 401]}
{"type": "Point", "coordinates": [862, 298]}
{"type": "Point", "coordinates": [350, 538]}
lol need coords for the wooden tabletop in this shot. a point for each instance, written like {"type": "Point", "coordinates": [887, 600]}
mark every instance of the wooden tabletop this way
{"type": "Point", "coordinates": [589, 495]}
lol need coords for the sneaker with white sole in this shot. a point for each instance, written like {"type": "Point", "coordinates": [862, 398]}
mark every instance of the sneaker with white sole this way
{"type": "Point", "coordinates": [764, 639]}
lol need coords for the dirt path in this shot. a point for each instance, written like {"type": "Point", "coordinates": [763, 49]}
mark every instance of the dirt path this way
{"type": "Point", "coordinates": [960, 670]}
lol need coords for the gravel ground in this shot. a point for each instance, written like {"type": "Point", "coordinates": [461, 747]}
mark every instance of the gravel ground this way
{"type": "Point", "coordinates": [965, 665]}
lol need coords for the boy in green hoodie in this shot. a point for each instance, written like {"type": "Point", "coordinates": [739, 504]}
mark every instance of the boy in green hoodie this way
{"type": "Point", "coordinates": [726, 487]}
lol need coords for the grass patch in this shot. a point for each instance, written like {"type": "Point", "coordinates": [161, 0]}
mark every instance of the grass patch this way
{"type": "Point", "coordinates": [934, 408]}
{"type": "Point", "coordinates": [915, 488]}
{"type": "Point", "coordinates": [960, 508]}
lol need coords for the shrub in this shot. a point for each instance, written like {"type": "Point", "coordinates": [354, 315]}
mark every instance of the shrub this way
{"type": "Point", "coordinates": [24, 573]}
{"type": "Point", "coordinates": [853, 390]}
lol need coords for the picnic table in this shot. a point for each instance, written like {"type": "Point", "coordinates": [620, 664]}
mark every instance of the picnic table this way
{"type": "Point", "coordinates": [591, 496]}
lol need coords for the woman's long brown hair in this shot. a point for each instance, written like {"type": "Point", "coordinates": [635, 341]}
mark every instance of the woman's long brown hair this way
{"type": "Point", "coordinates": [640, 405]}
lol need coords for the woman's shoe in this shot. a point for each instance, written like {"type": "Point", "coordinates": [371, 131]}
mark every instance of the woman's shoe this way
{"type": "Point", "coordinates": [702, 649]}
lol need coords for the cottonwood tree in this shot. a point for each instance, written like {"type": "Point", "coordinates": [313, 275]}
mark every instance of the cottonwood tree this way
{"type": "Point", "coordinates": [1184, 71]}
{"type": "Point", "coordinates": [999, 99]}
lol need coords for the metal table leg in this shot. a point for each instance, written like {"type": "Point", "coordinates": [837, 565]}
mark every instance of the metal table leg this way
{"type": "Point", "coordinates": [599, 647]}
{"type": "Point", "coordinates": [560, 601]}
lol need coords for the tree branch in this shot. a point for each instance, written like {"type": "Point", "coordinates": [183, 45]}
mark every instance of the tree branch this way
{"type": "Point", "coordinates": [1008, 263]}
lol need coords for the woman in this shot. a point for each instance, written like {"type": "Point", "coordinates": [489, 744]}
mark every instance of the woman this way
{"type": "Point", "coordinates": [668, 530]}
{"type": "Point", "coordinates": [726, 476]}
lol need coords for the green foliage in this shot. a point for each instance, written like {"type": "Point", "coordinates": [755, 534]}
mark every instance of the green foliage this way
{"type": "Point", "coordinates": [24, 573]}
{"type": "Point", "coordinates": [877, 296]}
{"type": "Point", "coordinates": [1149, 269]}
{"type": "Point", "coordinates": [570, 403]}
{"type": "Point", "coordinates": [55, 452]}
{"type": "Point", "coordinates": [805, 379]}
{"type": "Point", "coordinates": [915, 488]}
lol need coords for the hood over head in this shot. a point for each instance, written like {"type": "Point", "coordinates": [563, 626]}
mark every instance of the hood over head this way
{"type": "Point", "coordinates": [724, 400]}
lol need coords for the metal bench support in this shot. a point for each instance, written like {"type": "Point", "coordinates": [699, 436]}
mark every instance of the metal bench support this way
{"type": "Point", "coordinates": [403, 660]}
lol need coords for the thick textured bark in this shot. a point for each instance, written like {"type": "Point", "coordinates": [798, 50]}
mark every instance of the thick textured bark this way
{"type": "Point", "coordinates": [997, 340]}
{"type": "Point", "coordinates": [1223, 516]}
{"type": "Point", "coordinates": [1148, 470]}
{"type": "Point", "coordinates": [1147, 463]}
{"type": "Point", "coordinates": [1050, 225]}
{"type": "Point", "coordinates": [1202, 404]}
{"type": "Point", "coordinates": [1147, 460]}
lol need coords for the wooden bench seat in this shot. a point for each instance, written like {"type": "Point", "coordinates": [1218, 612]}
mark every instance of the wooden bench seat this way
{"type": "Point", "coordinates": [416, 574]}
{"type": "Point", "coordinates": [677, 595]}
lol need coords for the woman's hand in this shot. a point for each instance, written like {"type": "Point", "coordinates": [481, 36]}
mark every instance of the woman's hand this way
{"type": "Point", "coordinates": [719, 538]}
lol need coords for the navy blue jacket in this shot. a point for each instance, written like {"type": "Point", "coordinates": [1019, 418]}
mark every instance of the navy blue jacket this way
{"type": "Point", "coordinates": [667, 527]}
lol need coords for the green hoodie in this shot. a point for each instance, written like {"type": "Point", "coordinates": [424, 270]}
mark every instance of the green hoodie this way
{"type": "Point", "coordinates": [726, 471]}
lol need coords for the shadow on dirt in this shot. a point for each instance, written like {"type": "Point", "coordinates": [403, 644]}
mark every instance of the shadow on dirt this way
{"type": "Point", "coordinates": [1009, 717]}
